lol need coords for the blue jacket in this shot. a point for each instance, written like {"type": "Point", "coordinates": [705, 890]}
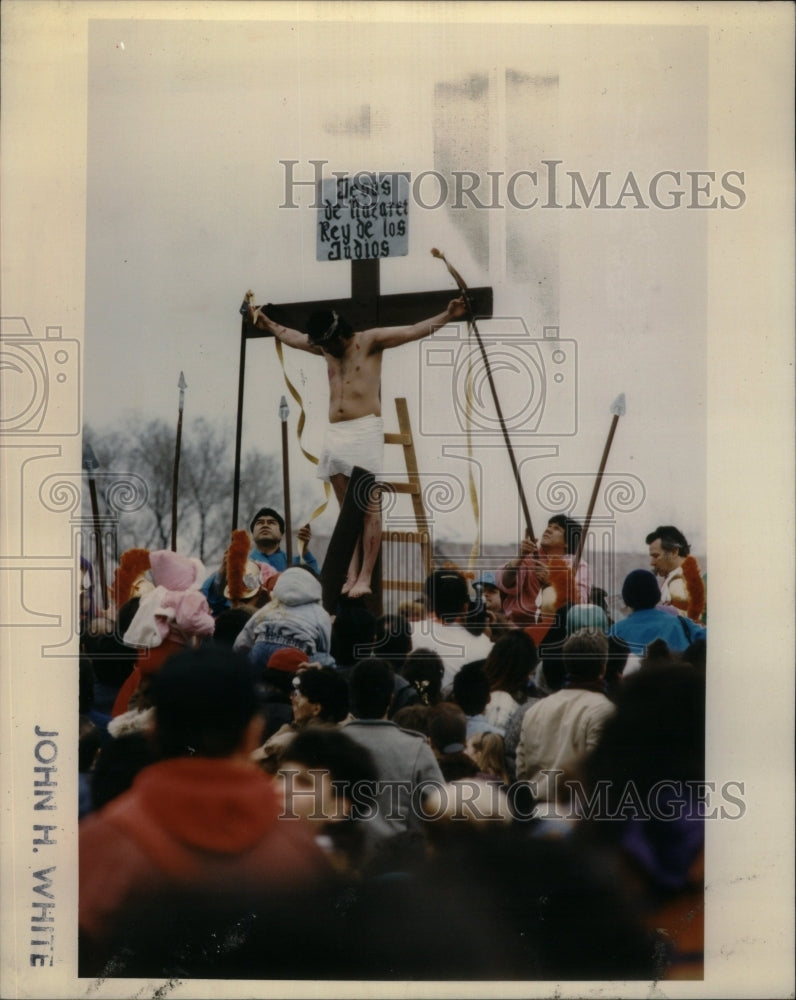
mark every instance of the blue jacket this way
{"type": "Point", "coordinates": [278, 560]}
{"type": "Point", "coordinates": [642, 627]}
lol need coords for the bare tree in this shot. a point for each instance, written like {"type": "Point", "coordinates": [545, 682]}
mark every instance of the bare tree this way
{"type": "Point", "coordinates": [206, 486]}
{"type": "Point", "coordinates": [151, 455]}
{"type": "Point", "coordinates": [146, 449]}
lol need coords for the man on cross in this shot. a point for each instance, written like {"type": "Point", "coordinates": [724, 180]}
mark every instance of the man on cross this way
{"type": "Point", "coordinates": [355, 436]}
{"type": "Point", "coordinates": [541, 579]}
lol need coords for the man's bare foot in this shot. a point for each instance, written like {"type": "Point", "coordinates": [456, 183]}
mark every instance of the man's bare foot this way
{"type": "Point", "coordinates": [359, 590]}
{"type": "Point", "coordinates": [349, 583]}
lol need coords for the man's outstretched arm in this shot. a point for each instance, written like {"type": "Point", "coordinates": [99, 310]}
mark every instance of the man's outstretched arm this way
{"type": "Point", "coordinates": [384, 337]}
{"type": "Point", "coordinates": [293, 338]}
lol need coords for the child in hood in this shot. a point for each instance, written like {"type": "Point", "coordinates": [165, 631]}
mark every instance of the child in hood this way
{"type": "Point", "coordinates": [169, 619]}
{"type": "Point", "coordinates": [293, 617]}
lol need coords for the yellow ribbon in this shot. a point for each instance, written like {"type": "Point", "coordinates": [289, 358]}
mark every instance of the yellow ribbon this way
{"type": "Point", "coordinates": [299, 431]}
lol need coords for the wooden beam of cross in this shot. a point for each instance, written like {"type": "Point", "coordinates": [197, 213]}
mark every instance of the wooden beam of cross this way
{"type": "Point", "coordinates": [365, 309]}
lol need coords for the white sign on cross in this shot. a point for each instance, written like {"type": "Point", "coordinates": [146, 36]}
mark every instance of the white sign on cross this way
{"type": "Point", "coordinates": [363, 217]}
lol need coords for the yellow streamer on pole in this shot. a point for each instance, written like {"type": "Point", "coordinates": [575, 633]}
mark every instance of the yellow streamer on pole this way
{"type": "Point", "coordinates": [299, 431]}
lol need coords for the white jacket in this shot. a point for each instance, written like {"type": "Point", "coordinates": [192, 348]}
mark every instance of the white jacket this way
{"type": "Point", "coordinates": [294, 614]}
{"type": "Point", "coordinates": [557, 733]}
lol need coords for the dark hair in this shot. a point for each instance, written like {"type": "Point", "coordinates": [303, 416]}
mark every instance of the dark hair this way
{"type": "Point", "coordinates": [353, 632]}
{"type": "Point", "coordinates": [672, 539]}
{"type": "Point", "coordinates": [268, 512]}
{"type": "Point", "coordinates": [324, 686]}
{"type": "Point", "coordinates": [118, 763]}
{"type": "Point", "coordinates": [572, 531]}
{"type": "Point", "coordinates": [551, 649]}
{"type": "Point", "coordinates": [554, 672]}
{"type": "Point", "coordinates": [112, 660]}
{"type": "Point", "coordinates": [640, 590]}
{"type": "Point", "coordinates": [658, 653]}
{"type": "Point", "coordinates": [447, 729]}
{"type": "Point", "coordinates": [696, 654]}
{"type": "Point", "coordinates": [329, 748]}
{"type": "Point", "coordinates": [278, 680]}
{"type": "Point", "coordinates": [204, 699]}
{"type": "Point", "coordinates": [229, 625]}
{"type": "Point", "coordinates": [599, 598]}
{"type": "Point", "coordinates": [471, 688]}
{"type": "Point", "coordinates": [414, 717]}
{"type": "Point", "coordinates": [370, 689]}
{"type": "Point", "coordinates": [511, 661]}
{"type": "Point", "coordinates": [658, 732]}
{"type": "Point", "coordinates": [393, 638]}
{"type": "Point", "coordinates": [585, 654]}
{"type": "Point", "coordinates": [424, 669]}
{"type": "Point", "coordinates": [475, 618]}
{"type": "Point", "coordinates": [326, 324]}
{"type": "Point", "coordinates": [446, 593]}
{"type": "Point", "coordinates": [447, 725]}
{"type": "Point", "coordinates": [352, 769]}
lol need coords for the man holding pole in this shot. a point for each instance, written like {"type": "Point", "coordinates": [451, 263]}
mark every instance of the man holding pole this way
{"type": "Point", "coordinates": [543, 577]}
{"type": "Point", "coordinates": [546, 577]}
{"type": "Point", "coordinates": [355, 436]}
{"type": "Point", "coordinates": [267, 530]}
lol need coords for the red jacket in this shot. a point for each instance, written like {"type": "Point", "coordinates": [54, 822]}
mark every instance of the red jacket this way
{"type": "Point", "coordinates": [205, 824]}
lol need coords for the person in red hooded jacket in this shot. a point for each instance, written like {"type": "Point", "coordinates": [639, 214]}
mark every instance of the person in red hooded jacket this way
{"type": "Point", "coordinates": [202, 822]}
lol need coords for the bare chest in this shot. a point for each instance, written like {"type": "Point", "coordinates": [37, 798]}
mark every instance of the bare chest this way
{"type": "Point", "coordinates": [354, 382]}
{"type": "Point", "coordinates": [356, 369]}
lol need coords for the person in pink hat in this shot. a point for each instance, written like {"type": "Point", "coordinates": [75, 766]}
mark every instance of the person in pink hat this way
{"type": "Point", "coordinates": [170, 618]}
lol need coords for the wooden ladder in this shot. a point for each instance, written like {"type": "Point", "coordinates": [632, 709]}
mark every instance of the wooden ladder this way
{"type": "Point", "coordinates": [421, 536]}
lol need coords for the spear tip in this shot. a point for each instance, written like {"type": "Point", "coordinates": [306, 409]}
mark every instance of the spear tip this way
{"type": "Point", "coordinates": [618, 406]}
{"type": "Point", "coordinates": [182, 384]}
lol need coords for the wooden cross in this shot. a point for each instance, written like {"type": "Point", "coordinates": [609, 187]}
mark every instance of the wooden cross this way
{"type": "Point", "coordinates": [365, 309]}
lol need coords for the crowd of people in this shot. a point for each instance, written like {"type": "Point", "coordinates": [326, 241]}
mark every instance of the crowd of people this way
{"type": "Point", "coordinates": [499, 781]}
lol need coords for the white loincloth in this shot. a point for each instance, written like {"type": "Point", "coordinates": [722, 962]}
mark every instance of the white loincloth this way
{"type": "Point", "coordinates": [352, 442]}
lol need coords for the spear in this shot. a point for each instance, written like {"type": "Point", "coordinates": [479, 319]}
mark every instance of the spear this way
{"type": "Point", "coordinates": [284, 412]}
{"type": "Point", "coordinates": [471, 320]}
{"type": "Point", "coordinates": [182, 385]}
{"type": "Point", "coordinates": [90, 463]}
{"type": "Point", "coordinates": [618, 410]}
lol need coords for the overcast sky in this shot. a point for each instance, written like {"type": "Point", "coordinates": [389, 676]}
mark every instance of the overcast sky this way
{"type": "Point", "coordinates": [141, 188]}
{"type": "Point", "coordinates": [187, 125]}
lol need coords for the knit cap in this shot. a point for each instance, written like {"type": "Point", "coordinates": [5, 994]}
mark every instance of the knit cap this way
{"type": "Point", "coordinates": [640, 590]}
{"type": "Point", "coordinates": [588, 616]}
{"type": "Point", "coordinates": [176, 572]}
